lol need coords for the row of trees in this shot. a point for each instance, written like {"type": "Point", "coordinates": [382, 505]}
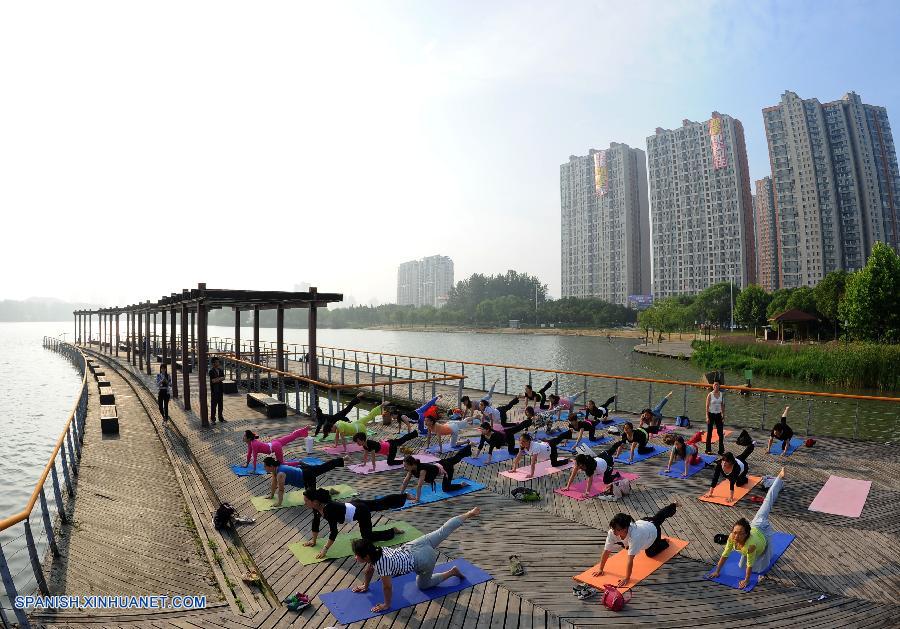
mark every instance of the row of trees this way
{"type": "Point", "coordinates": [864, 305]}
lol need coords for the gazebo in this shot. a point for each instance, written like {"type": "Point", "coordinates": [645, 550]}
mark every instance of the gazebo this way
{"type": "Point", "coordinates": [798, 319]}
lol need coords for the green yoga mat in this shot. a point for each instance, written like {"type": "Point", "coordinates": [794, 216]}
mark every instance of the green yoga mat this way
{"type": "Point", "coordinates": [330, 438]}
{"type": "Point", "coordinates": [295, 498]}
{"type": "Point", "coordinates": [341, 547]}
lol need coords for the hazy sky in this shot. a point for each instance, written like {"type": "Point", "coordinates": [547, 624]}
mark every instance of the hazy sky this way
{"type": "Point", "coordinates": [145, 147]}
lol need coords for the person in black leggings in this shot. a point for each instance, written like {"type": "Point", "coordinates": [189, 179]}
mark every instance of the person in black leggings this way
{"type": "Point", "coordinates": [504, 410]}
{"type": "Point", "coordinates": [500, 438]}
{"type": "Point", "coordinates": [324, 420]}
{"type": "Point", "coordinates": [637, 437]}
{"type": "Point", "coordinates": [590, 465]}
{"type": "Point", "coordinates": [540, 397]}
{"type": "Point", "coordinates": [781, 432]}
{"type": "Point", "coordinates": [624, 530]}
{"type": "Point", "coordinates": [335, 512]}
{"type": "Point", "coordinates": [528, 446]}
{"type": "Point", "coordinates": [428, 472]}
{"type": "Point", "coordinates": [599, 412]}
{"type": "Point", "coordinates": [386, 447]}
{"type": "Point", "coordinates": [734, 468]}
{"type": "Point", "coordinates": [581, 424]}
{"type": "Point", "coordinates": [299, 475]}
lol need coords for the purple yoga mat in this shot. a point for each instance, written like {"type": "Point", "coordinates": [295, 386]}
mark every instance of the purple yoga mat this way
{"type": "Point", "coordinates": [348, 606]}
{"type": "Point", "coordinates": [842, 496]}
{"type": "Point", "coordinates": [577, 490]}
{"type": "Point", "coordinates": [338, 450]}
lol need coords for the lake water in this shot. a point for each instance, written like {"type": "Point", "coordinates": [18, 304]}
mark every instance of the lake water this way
{"type": "Point", "coordinates": [40, 388]}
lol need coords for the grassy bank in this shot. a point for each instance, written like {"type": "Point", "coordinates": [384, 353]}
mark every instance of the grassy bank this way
{"type": "Point", "coordinates": [855, 365]}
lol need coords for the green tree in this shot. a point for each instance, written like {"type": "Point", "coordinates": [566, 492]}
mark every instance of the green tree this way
{"type": "Point", "coordinates": [871, 304]}
{"type": "Point", "coordinates": [750, 307]}
{"type": "Point", "coordinates": [829, 293]}
{"type": "Point", "coordinates": [803, 298]}
{"type": "Point", "coordinates": [779, 301]}
{"type": "Point", "coordinates": [713, 304]}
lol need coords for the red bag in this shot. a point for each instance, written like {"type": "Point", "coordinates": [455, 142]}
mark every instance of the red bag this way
{"type": "Point", "coordinates": [613, 599]}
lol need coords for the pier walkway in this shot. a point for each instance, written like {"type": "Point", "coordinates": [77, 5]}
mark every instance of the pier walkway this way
{"type": "Point", "coordinates": [839, 572]}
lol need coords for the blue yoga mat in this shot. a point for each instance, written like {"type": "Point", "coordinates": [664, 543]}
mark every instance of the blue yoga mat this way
{"type": "Point", "coordinates": [498, 457]}
{"type": "Point", "coordinates": [347, 606]}
{"type": "Point", "coordinates": [731, 573]}
{"type": "Point", "coordinates": [795, 443]}
{"type": "Point", "coordinates": [678, 467]}
{"type": "Point", "coordinates": [588, 442]}
{"type": "Point", "coordinates": [618, 421]}
{"type": "Point", "coordinates": [260, 470]}
{"type": "Point", "coordinates": [623, 458]}
{"type": "Point", "coordinates": [429, 496]}
{"type": "Point", "coordinates": [447, 449]}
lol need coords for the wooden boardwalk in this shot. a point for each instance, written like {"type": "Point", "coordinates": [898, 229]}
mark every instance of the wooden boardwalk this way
{"type": "Point", "coordinates": [839, 572]}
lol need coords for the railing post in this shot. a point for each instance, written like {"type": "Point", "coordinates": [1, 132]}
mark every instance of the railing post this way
{"type": "Point", "coordinates": [343, 365]}
{"type": "Point", "coordinates": [650, 395]}
{"type": "Point", "coordinates": [57, 494]}
{"type": "Point", "coordinates": [330, 401]}
{"type": "Point", "coordinates": [684, 401]}
{"type": "Point", "coordinates": [616, 393]}
{"type": "Point", "coordinates": [297, 393]}
{"type": "Point", "coordinates": [506, 381]}
{"type": "Point", "coordinates": [11, 593]}
{"type": "Point", "coordinates": [556, 388]}
{"type": "Point", "coordinates": [762, 422]}
{"type": "Point", "coordinates": [459, 393]}
{"type": "Point", "coordinates": [529, 379]}
{"type": "Point", "coordinates": [856, 422]}
{"type": "Point", "coordinates": [483, 379]}
{"type": "Point", "coordinates": [356, 367]}
{"type": "Point", "coordinates": [35, 561]}
{"type": "Point", "coordinates": [808, 415]}
{"type": "Point", "coordinates": [390, 384]}
{"type": "Point", "coordinates": [48, 526]}
{"type": "Point", "coordinates": [585, 400]}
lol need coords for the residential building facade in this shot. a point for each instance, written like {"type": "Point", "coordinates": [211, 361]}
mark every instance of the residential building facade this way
{"type": "Point", "coordinates": [767, 264]}
{"type": "Point", "coordinates": [605, 243]}
{"type": "Point", "coordinates": [425, 282]}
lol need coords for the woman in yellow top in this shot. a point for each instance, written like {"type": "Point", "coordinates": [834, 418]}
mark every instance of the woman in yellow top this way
{"type": "Point", "coordinates": [751, 539]}
{"type": "Point", "coordinates": [346, 428]}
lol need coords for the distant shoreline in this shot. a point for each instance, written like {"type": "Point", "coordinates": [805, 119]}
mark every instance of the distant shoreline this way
{"type": "Point", "coordinates": [627, 333]}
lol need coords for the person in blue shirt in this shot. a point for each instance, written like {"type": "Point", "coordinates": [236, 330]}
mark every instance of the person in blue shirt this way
{"type": "Point", "coordinates": [301, 475]}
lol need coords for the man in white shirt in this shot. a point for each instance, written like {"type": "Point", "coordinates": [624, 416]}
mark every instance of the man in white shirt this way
{"type": "Point", "coordinates": [635, 535]}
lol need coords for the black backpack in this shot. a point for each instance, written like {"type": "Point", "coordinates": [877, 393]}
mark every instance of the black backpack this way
{"type": "Point", "coordinates": [223, 515]}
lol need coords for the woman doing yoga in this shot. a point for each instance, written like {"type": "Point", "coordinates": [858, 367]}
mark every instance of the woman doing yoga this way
{"type": "Point", "coordinates": [428, 472]}
{"type": "Point", "coordinates": [419, 556]}
{"type": "Point", "coordinates": [391, 413]}
{"type": "Point", "coordinates": [343, 428]}
{"type": "Point", "coordinates": [528, 446]}
{"type": "Point", "coordinates": [540, 396]}
{"type": "Point", "coordinates": [591, 465]}
{"type": "Point", "coordinates": [302, 475]}
{"type": "Point", "coordinates": [637, 438]}
{"type": "Point", "coordinates": [385, 447]}
{"type": "Point", "coordinates": [500, 438]}
{"type": "Point", "coordinates": [635, 535]}
{"type": "Point", "coordinates": [324, 419]}
{"type": "Point", "coordinates": [753, 539]}
{"type": "Point", "coordinates": [651, 418]}
{"type": "Point", "coordinates": [734, 468]}
{"type": "Point", "coordinates": [781, 432]}
{"type": "Point", "coordinates": [445, 429]}
{"type": "Point", "coordinates": [335, 512]}
{"type": "Point", "coordinates": [685, 450]}
{"type": "Point", "coordinates": [599, 412]}
{"type": "Point", "coordinates": [255, 447]}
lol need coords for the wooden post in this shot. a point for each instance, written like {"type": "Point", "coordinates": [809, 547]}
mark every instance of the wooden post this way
{"type": "Point", "coordinates": [256, 334]}
{"type": "Point", "coordinates": [153, 344]}
{"type": "Point", "coordinates": [184, 357]}
{"type": "Point", "coordinates": [172, 369]}
{"type": "Point", "coordinates": [237, 332]}
{"type": "Point", "coordinates": [279, 338]}
{"type": "Point", "coordinates": [118, 316]}
{"type": "Point", "coordinates": [201, 357]}
{"type": "Point", "coordinates": [149, 342]}
{"type": "Point", "coordinates": [312, 366]}
{"type": "Point", "coordinates": [193, 334]}
{"type": "Point", "coordinates": [162, 339]}
{"type": "Point", "coordinates": [101, 331]}
{"type": "Point", "coordinates": [140, 343]}
{"type": "Point", "coordinates": [129, 335]}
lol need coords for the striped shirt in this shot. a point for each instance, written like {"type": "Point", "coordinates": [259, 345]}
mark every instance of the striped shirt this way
{"type": "Point", "coordinates": [394, 562]}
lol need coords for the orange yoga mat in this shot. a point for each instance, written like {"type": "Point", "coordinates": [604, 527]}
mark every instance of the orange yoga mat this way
{"type": "Point", "coordinates": [720, 493]}
{"type": "Point", "coordinates": [643, 566]}
{"type": "Point", "coordinates": [715, 436]}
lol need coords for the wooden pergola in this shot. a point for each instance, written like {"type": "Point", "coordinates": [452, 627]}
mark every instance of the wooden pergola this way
{"type": "Point", "coordinates": [193, 306]}
{"type": "Point", "coordinates": [794, 317]}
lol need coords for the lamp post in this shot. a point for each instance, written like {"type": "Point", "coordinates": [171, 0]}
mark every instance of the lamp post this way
{"type": "Point", "coordinates": [731, 296]}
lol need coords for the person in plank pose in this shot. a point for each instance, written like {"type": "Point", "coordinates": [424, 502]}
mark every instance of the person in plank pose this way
{"type": "Point", "coordinates": [531, 396]}
{"type": "Point", "coordinates": [344, 429]}
{"type": "Point", "coordinates": [715, 417]}
{"type": "Point", "coordinates": [734, 468]}
{"type": "Point", "coordinates": [385, 447]}
{"type": "Point", "coordinates": [255, 447]}
{"type": "Point", "coordinates": [599, 412]}
{"type": "Point", "coordinates": [335, 512]}
{"type": "Point", "coordinates": [586, 461]}
{"type": "Point", "coordinates": [635, 535]}
{"type": "Point", "coordinates": [428, 472]}
{"type": "Point", "coordinates": [445, 429]}
{"type": "Point", "coordinates": [651, 418]}
{"type": "Point", "coordinates": [637, 438]}
{"type": "Point", "coordinates": [753, 539]}
{"type": "Point", "coordinates": [324, 420]}
{"type": "Point", "coordinates": [420, 414]}
{"type": "Point", "coordinates": [685, 450]}
{"type": "Point", "coordinates": [302, 475]}
{"type": "Point", "coordinates": [500, 438]}
{"type": "Point", "coordinates": [419, 556]}
{"type": "Point", "coordinates": [390, 414]}
{"type": "Point", "coordinates": [528, 446]}
{"type": "Point", "coordinates": [781, 432]}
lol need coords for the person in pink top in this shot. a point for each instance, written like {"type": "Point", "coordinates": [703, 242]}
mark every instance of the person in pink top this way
{"type": "Point", "coordinates": [385, 447]}
{"type": "Point", "coordinates": [255, 447]}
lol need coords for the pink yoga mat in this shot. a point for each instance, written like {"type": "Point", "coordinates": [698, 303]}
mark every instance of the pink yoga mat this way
{"type": "Point", "coordinates": [842, 496]}
{"type": "Point", "coordinates": [382, 466]}
{"type": "Point", "coordinates": [576, 491]}
{"type": "Point", "coordinates": [338, 450]}
{"type": "Point", "coordinates": [543, 468]}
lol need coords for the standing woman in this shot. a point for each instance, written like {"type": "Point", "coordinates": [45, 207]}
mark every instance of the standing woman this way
{"type": "Point", "coordinates": [255, 447]}
{"type": "Point", "coordinates": [335, 512]}
{"type": "Point", "coordinates": [715, 417]}
{"type": "Point", "coordinates": [734, 468]}
{"type": "Point", "coordinates": [163, 386]}
{"type": "Point", "coordinates": [428, 472]}
{"type": "Point", "coordinates": [386, 447]}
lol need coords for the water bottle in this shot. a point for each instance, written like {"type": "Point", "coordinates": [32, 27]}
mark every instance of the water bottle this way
{"type": "Point", "coordinates": [309, 444]}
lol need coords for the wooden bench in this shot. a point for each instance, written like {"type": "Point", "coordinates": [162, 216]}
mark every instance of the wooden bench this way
{"type": "Point", "coordinates": [106, 395]}
{"type": "Point", "coordinates": [229, 386]}
{"type": "Point", "coordinates": [109, 419]}
{"type": "Point", "coordinates": [102, 381]}
{"type": "Point", "coordinates": [272, 407]}
{"type": "Point", "coordinates": [179, 367]}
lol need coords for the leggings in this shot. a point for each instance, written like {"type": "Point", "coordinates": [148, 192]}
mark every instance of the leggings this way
{"type": "Point", "coordinates": [455, 426]}
{"type": "Point", "coordinates": [510, 432]}
{"type": "Point", "coordinates": [393, 444]}
{"type": "Point", "coordinates": [277, 445]}
{"type": "Point", "coordinates": [324, 419]}
{"type": "Point", "coordinates": [448, 464]}
{"type": "Point", "coordinates": [659, 544]}
{"type": "Point", "coordinates": [543, 395]}
{"type": "Point", "coordinates": [554, 443]}
{"type": "Point", "coordinates": [364, 509]}
{"type": "Point", "coordinates": [604, 410]}
{"type": "Point", "coordinates": [714, 420]}
{"type": "Point", "coordinates": [312, 472]}
{"type": "Point", "coordinates": [490, 394]}
{"type": "Point", "coordinates": [162, 398]}
{"type": "Point", "coordinates": [761, 523]}
{"type": "Point", "coordinates": [586, 424]}
{"type": "Point", "coordinates": [425, 554]}
{"type": "Point", "coordinates": [420, 413]}
{"type": "Point", "coordinates": [503, 410]}
{"type": "Point", "coordinates": [609, 475]}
